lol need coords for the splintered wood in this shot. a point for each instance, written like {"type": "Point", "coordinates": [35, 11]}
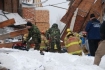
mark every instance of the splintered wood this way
{"type": "Point", "coordinates": [7, 23]}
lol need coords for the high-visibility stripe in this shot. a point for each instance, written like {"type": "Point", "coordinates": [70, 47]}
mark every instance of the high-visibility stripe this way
{"type": "Point", "coordinates": [42, 47]}
{"type": "Point", "coordinates": [55, 46]}
{"type": "Point", "coordinates": [80, 41]}
{"type": "Point", "coordinates": [73, 43]}
{"type": "Point", "coordinates": [76, 52]}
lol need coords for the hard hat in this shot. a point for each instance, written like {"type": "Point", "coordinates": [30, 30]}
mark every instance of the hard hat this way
{"type": "Point", "coordinates": [68, 30]}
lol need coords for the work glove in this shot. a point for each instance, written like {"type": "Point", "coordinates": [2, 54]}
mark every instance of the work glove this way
{"type": "Point", "coordinates": [24, 42]}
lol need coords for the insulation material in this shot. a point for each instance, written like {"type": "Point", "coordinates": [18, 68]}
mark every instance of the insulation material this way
{"type": "Point", "coordinates": [85, 7]}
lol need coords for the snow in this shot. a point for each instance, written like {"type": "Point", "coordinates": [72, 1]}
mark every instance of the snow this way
{"type": "Point", "coordinates": [32, 60]}
{"type": "Point", "coordinates": [18, 19]}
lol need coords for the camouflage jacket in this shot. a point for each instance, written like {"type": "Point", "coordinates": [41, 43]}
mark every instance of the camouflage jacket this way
{"type": "Point", "coordinates": [34, 33]}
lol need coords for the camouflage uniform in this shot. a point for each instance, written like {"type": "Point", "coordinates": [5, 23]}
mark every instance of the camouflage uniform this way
{"type": "Point", "coordinates": [55, 37]}
{"type": "Point", "coordinates": [35, 34]}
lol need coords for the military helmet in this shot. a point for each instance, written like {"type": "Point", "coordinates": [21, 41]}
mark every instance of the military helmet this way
{"type": "Point", "coordinates": [55, 25]}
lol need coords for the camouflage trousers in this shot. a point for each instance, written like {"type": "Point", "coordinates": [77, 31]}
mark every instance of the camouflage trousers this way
{"type": "Point", "coordinates": [37, 45]}
{"type": "Point", "coordinates": [58, 45]}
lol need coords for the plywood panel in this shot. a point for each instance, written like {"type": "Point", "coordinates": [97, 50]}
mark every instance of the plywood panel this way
{"type": "Point", "coordinates": [8, 5]}
{"type": "Point", "coordinates": [67, 17]}
{"type": "Point", "coordinates": [78, 23]}
{"type": "Point", "coordinates": [43, 26]}
{"type": "Point", "coordinates": [85, 7]}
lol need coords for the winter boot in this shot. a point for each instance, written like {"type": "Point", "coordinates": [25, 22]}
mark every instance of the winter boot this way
{"type": "Point", "coordinates": [41, 52]}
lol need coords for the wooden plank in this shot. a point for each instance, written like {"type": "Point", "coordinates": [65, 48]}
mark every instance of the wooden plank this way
{"type": "Point", "coordinates": [4, 36]}
{"type": "Point", "coordinates": [96, 9]}
{"type": "Point", "coordinates": [67, 17]}
{"type": "Point", "coordinates": [14, 34]}
{"type": "Point", "coordinates": [7, 5]}
{"type": "Point", "coordinates": [15, 6]}
{"type": "Point", "coordinates": [18, 32]}
{"type": "Point", "coordinates": [7, 23]}
{"type": "Point", "coordinates": [85, 7]}
{"type": "Point", "coordinates": [78, 23]}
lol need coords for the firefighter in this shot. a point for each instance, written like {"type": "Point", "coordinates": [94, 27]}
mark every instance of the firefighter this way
{"type": "Point", "coordinates": [68, 32]}
{"type": "Point", "coordinates": [44, 43]}
{"type": "Point", "coordinates": [73, 45]}
{"type": "Point", "coordinates": [35, 34]}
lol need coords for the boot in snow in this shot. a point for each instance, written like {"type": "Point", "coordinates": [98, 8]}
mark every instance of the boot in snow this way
{"type": "Point", "coordinates": [41, 52]}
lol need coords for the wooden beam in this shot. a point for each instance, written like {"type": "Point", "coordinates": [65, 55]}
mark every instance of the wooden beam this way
{"type": "Point", "coordinates": [14, 34]}
{"type": "Point", "coordinates": [85, 7]}
{"type": "Point", "coordinates": [19, 32]}
{"type": "Point", "coordinates": [7, 23]}
{"type": "Point", "coordinates": [67, 17]}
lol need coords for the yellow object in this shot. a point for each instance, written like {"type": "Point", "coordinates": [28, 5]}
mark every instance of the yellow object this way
{"type": "Point", "coordinates": [68, 33]}
{"type": "Point", "coordinates": [73, 43]}
{"type": "Point", "coordinates": [55, 46]}
{"type": "Point", "coordinates": [68, 30]}
{"type": "Point", "coordinates": [25, 36]}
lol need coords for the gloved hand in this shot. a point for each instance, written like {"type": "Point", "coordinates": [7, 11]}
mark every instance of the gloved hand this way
{"type": "Point", "coordinates": [24, 42]}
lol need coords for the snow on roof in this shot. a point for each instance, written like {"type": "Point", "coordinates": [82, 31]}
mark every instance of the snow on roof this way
{"type": "Point", "coordinates": [41, 8]}
{"type": "Point", "coordinates": [18, 19]}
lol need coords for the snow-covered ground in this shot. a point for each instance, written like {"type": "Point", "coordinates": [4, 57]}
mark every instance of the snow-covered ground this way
{"type": "Point", "coordinates": [32, 60]}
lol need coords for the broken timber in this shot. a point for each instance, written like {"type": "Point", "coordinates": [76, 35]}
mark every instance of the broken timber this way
{"type": "Point", "coordinates": [14, 34]}
{"type": "Point", "coordinates": [7, 23]}
{"type": "Point", "coordinates": [68, 16]}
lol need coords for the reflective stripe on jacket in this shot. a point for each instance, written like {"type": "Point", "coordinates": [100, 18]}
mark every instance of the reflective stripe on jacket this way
{"type": "Point", "coordinates": [73, 44]}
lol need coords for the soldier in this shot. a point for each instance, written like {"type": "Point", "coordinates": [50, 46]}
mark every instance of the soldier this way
{"type": "Point", "coordinates": [55, 37]}
{"type": "Point", "coordinates": [34, 33]}
{"type": "Point", "coordinates": [44, 42]}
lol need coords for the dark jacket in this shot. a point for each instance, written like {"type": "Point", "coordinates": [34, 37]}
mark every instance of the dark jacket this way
{"type": "Point", "coordinates": [93, 29]}
{"type": "Point", "coordinates": [102, 31]}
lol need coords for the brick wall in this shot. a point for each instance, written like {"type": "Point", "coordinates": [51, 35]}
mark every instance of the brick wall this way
{"type": "Point", "coordinates": [38, 17]}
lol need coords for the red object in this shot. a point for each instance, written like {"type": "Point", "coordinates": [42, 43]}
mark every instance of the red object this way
{"type": "Point", "coordinates": [19, 44]}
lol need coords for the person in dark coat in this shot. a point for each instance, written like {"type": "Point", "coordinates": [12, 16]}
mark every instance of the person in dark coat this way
{"type": "Point", "coordinates": [101, 48]}
{"type": "Point", "coordinates": [93, 34]}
